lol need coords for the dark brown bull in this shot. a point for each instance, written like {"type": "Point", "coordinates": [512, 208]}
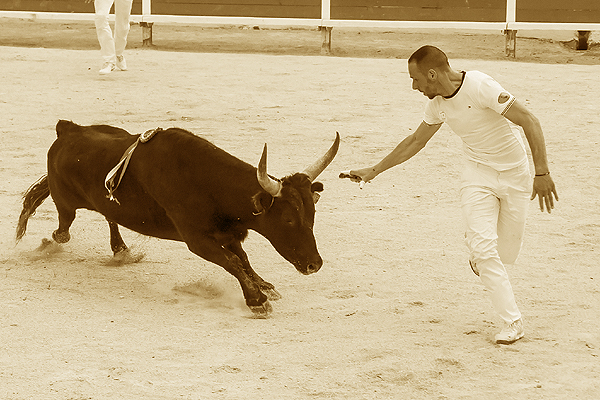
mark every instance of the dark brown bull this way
{"type": "Point", "coordinates": [181, 187]}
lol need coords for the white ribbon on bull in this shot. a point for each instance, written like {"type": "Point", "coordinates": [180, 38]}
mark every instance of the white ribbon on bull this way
{"type": "Point", "coordinates": [273, 186]}
{"type": "Point", "coordinates": [109, 181]}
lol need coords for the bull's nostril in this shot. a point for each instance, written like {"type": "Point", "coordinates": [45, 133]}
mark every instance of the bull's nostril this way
{"type": "Point", "coordinates": [312, 268]}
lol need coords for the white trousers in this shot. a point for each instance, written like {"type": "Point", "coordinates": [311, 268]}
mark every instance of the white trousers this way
{"type": "Point", "coordinates": [494, 206]}
{"type": "Point", "coordinates": [111, 47]}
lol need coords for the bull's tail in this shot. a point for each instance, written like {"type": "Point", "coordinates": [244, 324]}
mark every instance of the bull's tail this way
{"type": "Point", "coordinates": [32, 199]}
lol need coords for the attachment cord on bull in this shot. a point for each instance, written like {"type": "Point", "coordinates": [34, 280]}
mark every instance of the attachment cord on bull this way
{"type": "Point", "coordinates": [109, 181]}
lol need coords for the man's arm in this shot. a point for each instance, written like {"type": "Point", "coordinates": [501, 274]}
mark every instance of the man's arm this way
{"type": "Point", "coordinates": [543, 185]}
{"type": "Point", "coordinates": [410, 146]}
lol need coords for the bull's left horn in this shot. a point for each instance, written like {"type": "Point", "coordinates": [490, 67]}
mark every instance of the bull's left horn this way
{"type": "Point", "coordinates": [270, 185]}
{"type": "Point", "coordinates": [319, 166]}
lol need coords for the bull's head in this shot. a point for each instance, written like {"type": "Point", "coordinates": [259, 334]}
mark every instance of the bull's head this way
{"type": "Point", "coordinates": [286, 211]}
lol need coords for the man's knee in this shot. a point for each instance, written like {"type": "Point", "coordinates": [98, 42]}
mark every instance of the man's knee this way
{"type": "Point", "coordinates": [101, 20]}
{"type": "Point", "coordinates": [482, 249]}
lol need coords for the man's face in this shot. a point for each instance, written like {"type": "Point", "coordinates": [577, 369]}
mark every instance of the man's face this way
{"type": "Point", "coordinates": [421, 82]}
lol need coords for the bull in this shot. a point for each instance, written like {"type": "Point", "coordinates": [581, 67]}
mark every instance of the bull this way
{"type": "Point", "coordinates": [181, 187]}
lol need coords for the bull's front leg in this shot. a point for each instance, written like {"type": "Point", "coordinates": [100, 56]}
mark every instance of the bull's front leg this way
{"type": "Point", "coordinates": [208, 249]}
{"type": "Point", "coordinates": [256, 300]}
{"type": "Point", "coordinates": [266, 287]}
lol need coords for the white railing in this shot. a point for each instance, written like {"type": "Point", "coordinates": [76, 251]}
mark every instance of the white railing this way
{"type": "Point", "coordinates": [146, 19]}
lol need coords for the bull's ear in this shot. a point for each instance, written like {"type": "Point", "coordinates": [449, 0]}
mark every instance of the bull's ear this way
{"type": "Point", "coordinates": [316, 187]}
{"type": "Point", "coordinates": [262, 201]}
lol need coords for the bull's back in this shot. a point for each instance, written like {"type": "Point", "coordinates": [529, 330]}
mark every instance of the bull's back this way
{"type": "Point", "coordinates": [78, 162]}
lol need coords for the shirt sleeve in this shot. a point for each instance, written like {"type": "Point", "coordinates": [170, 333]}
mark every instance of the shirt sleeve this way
{"type": "Point", "coordinates": [493, 95]}
{"type": "Point", "coordinates": [432, 116]}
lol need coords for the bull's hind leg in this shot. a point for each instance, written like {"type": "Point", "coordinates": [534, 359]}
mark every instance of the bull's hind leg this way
{"type": "Point", "coordinates": [116, 241]}
{"type": "Point", "coordinates": [266, 287]}
{"type": "Point", "coordinates": [65, 219]}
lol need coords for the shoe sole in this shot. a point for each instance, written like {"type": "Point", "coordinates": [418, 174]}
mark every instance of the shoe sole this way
{"type": "Point", "coordinates": [473, 268]}
{"type": "Point", "coordinates": [511, 341]}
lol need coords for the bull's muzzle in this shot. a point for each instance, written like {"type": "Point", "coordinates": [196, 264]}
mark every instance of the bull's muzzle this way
{"type": "Point", "coordinates": [311, 267]}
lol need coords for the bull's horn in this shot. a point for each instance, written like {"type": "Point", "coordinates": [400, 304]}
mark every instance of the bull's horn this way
{"type": "Point", "coordinates": [270, 185]}
{"type": "Point", "coordinates": [319, 166]}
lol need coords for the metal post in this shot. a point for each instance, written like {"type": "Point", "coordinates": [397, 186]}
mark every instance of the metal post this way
{"type": "Point", "coordinates": [326, 36]}
{"type": "Point", "coordinates": [146, 33]}
{"type": "Point", "coordinates": [146, 26]}
{"type": "Point", "coordinates": [511, 43]}
{"type": "Point", "coordinates": [582, 39]}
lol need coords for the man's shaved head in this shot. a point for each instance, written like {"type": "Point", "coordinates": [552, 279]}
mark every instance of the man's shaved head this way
{"type": "Point", "coordinates": [429, 57]}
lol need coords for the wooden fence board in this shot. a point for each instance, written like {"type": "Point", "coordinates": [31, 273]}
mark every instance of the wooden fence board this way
{"type": "Point", "coordinates": [419, 14]}
{"type": "Point", "coordinates": [218, 8]}
{"type": "Point", "coordinates": [57, 6]}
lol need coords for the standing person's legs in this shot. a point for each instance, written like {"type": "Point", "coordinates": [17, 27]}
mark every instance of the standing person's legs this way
{"type": "Point", "coordinates": [122, 14]}
{"type": "Point", "coordinates": [481, 208]}
{"type": "Point", "coordinates": [107, 44]}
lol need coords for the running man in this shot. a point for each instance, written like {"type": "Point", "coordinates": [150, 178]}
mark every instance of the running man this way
{"type": "Point", "coordinates": [496, 183]}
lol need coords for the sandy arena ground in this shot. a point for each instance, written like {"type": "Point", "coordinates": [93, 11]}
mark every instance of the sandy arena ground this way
{"type": "Point", "coordinates": [395, 312]}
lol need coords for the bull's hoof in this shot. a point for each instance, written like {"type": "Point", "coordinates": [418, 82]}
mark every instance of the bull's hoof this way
{"type": "Point", "coordinates": [126, 257]}
{"type": "Point", "coordinates": [269, 290]}
{"type": "Point", "coordinates": [61, 237]}
{"type": "Point", "coordinates": [263, 311]}
{"type": "Point", "coordinates": [271, 293]}
{"type": "Point", "coordinates": [119, 248]}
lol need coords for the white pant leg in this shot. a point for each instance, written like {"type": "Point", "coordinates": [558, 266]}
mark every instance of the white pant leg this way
{"type": "Point", "coordinates": [122, 13]}
{"type": "Point", "coordinates": [516, 185]}
{"type": "Point", "coordinates": [484, 199]}
{"type": "Point", "coordinates": [103, 31]}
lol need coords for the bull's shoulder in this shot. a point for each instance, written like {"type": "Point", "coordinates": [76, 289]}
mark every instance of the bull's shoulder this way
{"type": "Point", "coordinates": [185, 139]}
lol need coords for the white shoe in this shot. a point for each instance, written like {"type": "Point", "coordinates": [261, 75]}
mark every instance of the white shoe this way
{"type": "Point", "coordinates": [121, 64]}
{"type": "Point", "coordinates": [107, 68]}
{"type": "Point", "coordinates": [511, 333]}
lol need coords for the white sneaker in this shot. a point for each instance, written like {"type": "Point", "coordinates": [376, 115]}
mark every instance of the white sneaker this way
{"type": "Point", "coordinates": [107, 68]}
{"type": "Point", "coordinates": [121, 64]}
{"type": "Point", "coordinates": [511, 333]}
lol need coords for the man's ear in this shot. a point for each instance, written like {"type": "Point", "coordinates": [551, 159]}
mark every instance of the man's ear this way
{"type": "Point", "coordinates": [262, 201]}
{"type": "Point", "coordinates": [432, 74]}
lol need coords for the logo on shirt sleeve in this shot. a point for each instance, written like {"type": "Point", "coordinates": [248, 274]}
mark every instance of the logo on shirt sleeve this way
{"type": "Point", "coordinates": [503, 98]}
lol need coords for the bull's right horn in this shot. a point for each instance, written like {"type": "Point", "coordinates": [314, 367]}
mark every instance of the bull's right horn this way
{"type": "Point", "coordinates": [271, 186]}
{"type": "Point", "coordinates": [319, 166]}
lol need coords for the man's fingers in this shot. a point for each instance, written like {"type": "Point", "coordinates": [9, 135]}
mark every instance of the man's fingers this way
{"type": "Point", "coordinates": [347, 174]}
{"type": "Point", "coordinates": [549, 205]}
{"type": "Point", "coordinates": [352, 177]}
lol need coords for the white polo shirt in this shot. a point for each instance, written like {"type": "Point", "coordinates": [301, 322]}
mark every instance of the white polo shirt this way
{"type": "Point", "coordinates": [475, 112]}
